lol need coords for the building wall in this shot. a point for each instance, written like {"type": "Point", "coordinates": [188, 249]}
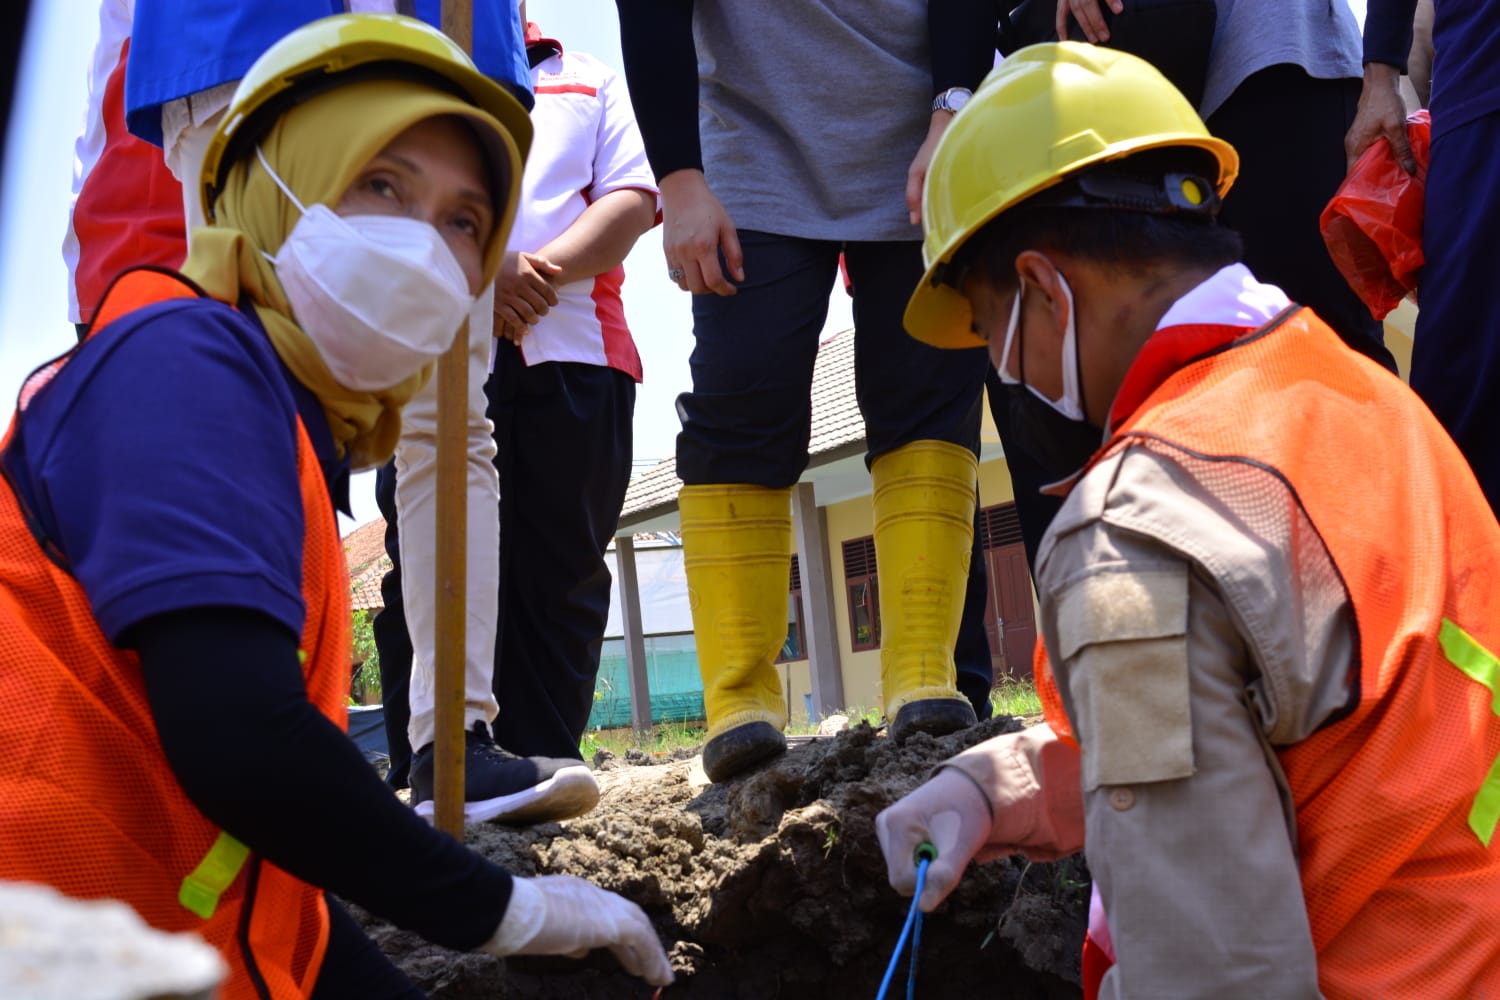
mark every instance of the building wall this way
{"type": "Point", "coordinates": [994, 483]}
{"type": "Point", "coordinates": [1399, 327]}
{"type": "Point", "coordinates": [861, 671]}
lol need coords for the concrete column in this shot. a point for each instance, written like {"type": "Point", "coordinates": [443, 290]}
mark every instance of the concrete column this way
{"type": "Point", "coordinates": [635, 638]}
{"type": "Point", "coordinates": [818, 623]}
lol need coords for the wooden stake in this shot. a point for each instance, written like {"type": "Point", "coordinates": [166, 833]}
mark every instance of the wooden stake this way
{"type": "Point", "coordinates": [452, 538]}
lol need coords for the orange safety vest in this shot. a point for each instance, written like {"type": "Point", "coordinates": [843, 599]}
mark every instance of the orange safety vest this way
{"type": "Point", "coordinates": [1396, 801]}
{"type": "Point", "coordinates": [88, 803]}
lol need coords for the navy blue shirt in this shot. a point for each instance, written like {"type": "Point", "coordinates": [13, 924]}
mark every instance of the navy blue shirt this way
{"type": "Point", "coordinates": [162, 462]}
{"type": "Point", "coordinates": [1465, 60]}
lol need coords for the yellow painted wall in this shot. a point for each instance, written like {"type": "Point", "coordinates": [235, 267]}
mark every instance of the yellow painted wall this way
{"type": "Point", "coordinates": [987, 432]}
{"type": "Point", "coordinates": [994, 483]}
{"type": "Point", "coordinates": [1399, 328]}
{"type": "Point", "coordinates": [852, 519]}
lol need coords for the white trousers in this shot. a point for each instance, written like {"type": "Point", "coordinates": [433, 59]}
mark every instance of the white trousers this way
{"type": "Point", "coordinates": [416, 512]}
{"type": "Point", "coordinates": [188, 125]}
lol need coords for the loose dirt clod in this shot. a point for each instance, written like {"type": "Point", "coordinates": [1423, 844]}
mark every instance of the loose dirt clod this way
{"type": "Point", "coordinates": [773, 885]}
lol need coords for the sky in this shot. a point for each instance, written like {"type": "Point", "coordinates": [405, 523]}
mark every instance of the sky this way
{"type": "Point", "coordinates": [51, 99]}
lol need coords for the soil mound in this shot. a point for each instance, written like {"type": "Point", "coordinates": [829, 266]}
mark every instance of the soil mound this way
{"type": "Point", "coordinates": [773, 885]}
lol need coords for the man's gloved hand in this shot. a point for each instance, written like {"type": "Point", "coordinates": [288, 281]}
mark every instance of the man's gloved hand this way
{"type": "Point", "coordinates": [950, 812]}
{"type": "Point", "coordinates": [564, 915]}
{"type": "Point", "coordinates": [1019, 792]}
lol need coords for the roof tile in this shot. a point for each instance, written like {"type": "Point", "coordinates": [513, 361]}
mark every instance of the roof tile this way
{"type": "Point", "coordinates": [367, 563]}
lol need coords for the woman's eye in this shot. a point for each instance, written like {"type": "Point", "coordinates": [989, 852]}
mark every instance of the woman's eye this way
{"type": "Point", "coordinates": [468, 225]}
{"type": "Point", "coordinates": [380, 186]}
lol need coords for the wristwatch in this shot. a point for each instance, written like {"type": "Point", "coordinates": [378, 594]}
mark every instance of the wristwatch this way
{"type": "Point", "coordinates": [952, 99]}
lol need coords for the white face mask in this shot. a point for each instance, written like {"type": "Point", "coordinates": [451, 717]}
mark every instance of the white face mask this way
{"type": "Point", "coordinates": [379, 295]}
{"type": "Point", "coordinates": [1071, 404]}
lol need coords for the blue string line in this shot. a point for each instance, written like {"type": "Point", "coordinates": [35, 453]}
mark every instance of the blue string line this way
{"type": "Point", "coordinates": [912, 928]}
{"type": "Point", "coordinates": [916, 931]}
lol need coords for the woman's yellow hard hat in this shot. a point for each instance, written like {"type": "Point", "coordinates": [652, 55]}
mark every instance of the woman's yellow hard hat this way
{"type": "Point", "coordinates": [1046, 113]}
{"type": "Point", "coordinates": [334, 50]}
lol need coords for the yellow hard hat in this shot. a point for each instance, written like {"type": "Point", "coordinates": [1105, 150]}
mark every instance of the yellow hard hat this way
{"type": "Point", "coordinates": [1046, 113]}
{"type": "Point", "coordinates": [328, 52]}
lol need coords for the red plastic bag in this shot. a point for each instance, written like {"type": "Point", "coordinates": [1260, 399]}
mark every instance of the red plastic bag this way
{"type": "Point", "coordinates": [1373, 225]}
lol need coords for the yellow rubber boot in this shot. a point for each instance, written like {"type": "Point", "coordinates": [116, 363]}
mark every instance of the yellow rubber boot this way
{"type": "Point", "coordinates": [924, 530]}
{"type": "Point", "coordinates": [736, 548]}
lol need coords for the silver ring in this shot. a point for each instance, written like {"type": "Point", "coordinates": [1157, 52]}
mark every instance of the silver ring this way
{"type": "Point", "coordinates": [676, 273]}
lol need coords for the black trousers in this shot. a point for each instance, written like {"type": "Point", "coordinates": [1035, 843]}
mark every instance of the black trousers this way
{"type": "Point", "coordinates": [748, 416]}
{"type": "Point", "coordinates": [1035, 512]}
{"type": "Point", "coordinates": [563, 433]}
{"type": "Point", "coordinates": [1034, 509]}
{"type": "Point", "coordinates": [1289, 130]}
{"type": "Point", "coordinates": [354, 967]}
{"type": "Point", "coordinates": [392, 641]}
{"type": "Point", "coordinates": [972, 657]}
{"type": "Point", "coordinates": [1455, 364]}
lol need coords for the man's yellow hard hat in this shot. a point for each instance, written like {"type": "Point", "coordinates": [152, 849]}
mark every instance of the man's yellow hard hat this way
{"type": "Point", "coordinates": [1046, 113]}
{"type": "Point", "coordinates": [333, 50]}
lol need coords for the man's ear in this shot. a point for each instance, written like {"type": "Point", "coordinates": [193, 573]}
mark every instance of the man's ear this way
{"type": "Point", "coordinates": [1043, 276]}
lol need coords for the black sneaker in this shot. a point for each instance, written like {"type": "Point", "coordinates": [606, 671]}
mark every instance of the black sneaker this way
{"type": "Point", "coordinates": [500, 787]}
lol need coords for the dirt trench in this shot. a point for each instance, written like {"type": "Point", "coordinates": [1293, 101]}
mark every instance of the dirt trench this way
{"type": "Point", "coordinates": [773, 885]}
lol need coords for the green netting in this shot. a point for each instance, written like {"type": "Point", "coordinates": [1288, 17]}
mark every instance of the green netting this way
{"type": "Point", "coordinates": [671, 674]}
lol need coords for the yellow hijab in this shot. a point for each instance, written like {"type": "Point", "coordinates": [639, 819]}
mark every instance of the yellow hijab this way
{"type": "Point", "coordinates": [318, 148]}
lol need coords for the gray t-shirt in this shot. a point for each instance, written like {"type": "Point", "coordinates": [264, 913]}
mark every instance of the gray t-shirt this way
{"type": "Point", "coordinates": [1321, 36]}
{"type": "Point", "coordinates": [810, 112]}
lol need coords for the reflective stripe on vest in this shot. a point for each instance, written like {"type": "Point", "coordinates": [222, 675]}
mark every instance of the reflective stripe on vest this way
{"type": "Point", "coordinates": [1480, 664]}
{"type": "Point", "coordinates": [219, 868]}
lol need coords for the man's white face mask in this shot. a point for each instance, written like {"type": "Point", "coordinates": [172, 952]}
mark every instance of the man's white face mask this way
{"type": "Point", "coordinates": [380, 296]}
{"type": "Point", "coordinates": [1071, 403]}
{"type": "Point", "coordinates": [1054, 432]}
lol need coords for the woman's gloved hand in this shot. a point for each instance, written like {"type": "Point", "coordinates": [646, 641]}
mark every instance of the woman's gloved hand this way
{"type": "Point", "coordinates": [564, 915]}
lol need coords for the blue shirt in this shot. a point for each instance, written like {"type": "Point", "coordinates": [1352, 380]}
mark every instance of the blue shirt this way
{"type": "Point", "coordinates": [1465, 63]}
{"type": "Point", "coordinates": [1465, 57]}
{"type": "Point", "coordinates": [181, 47]}
{"type": "Point", "coordinates": [161, 464]}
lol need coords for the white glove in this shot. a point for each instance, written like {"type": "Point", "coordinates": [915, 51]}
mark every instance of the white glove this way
{"type": "Point", "coordinates": [949, 812]}
{"type": "Point", "coordinates": [989, 801]}
{"type": "Point", "coordinates": [564, 915]}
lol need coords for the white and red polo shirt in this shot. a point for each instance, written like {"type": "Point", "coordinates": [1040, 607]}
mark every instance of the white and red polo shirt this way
{"type": "Point", "coordinates": [586, 145]}
{"type": "Point", "coordinates": [127, 206]}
